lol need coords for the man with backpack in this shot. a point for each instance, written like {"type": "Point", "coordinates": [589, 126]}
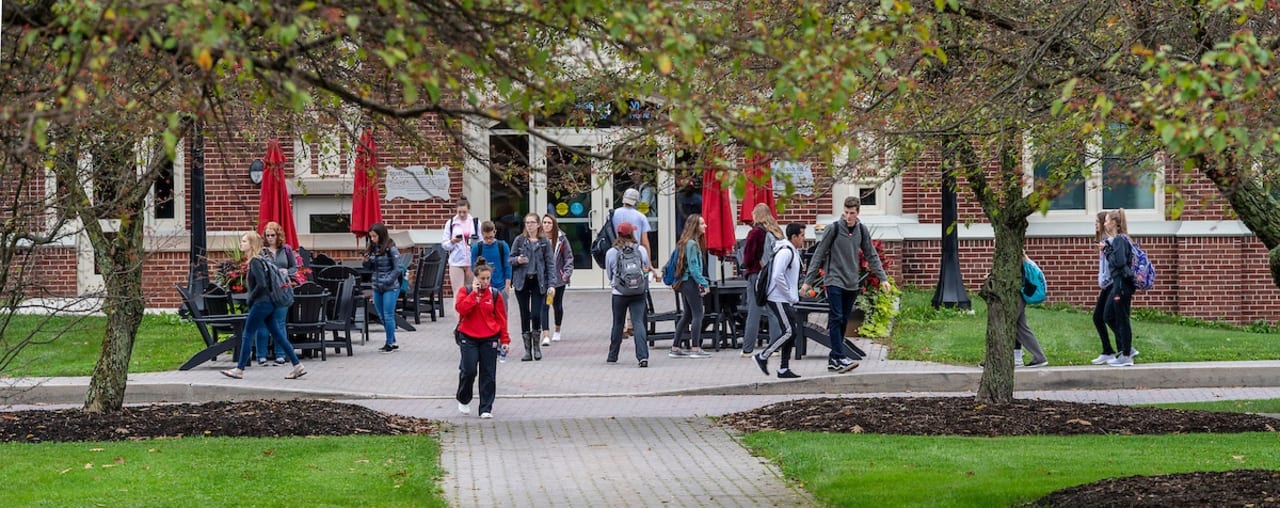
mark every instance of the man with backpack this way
{"type": "Point", "coordinates": [837, 256]}
{"type": "Point", "coordinates": [627, 265]}
{"type": "Point", "coordinates": [783, 275]}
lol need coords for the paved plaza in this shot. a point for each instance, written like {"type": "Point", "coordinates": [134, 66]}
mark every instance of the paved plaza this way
{"type": "Point", "coordinates": [571, 430]}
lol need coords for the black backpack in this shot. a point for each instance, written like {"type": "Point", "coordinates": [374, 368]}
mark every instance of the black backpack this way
{"type": "Point", "coordinates": [766, 276]}
{"type": "Point", "coordinates": [628, 272]}
{"type": "Point", "coordinates": [278, 285]}
{"type": "Point", "coordinates": [604, 240]}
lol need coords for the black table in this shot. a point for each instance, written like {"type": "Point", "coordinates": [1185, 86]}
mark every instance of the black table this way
{"type": "Point", "coordinates": [722, 303]}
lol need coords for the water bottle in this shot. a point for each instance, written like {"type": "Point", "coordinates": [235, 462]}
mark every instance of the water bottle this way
{"type": "Point", "coordinates": [502, 354]}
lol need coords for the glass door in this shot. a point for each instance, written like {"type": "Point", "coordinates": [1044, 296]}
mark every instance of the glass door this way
{"type": "Point", "coordinates": [572, 193]}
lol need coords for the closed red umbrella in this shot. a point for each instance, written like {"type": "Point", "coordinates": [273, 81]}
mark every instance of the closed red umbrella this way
{"type": "Point", "coordinates": [718, 214]}
{"type": "Point", "coordinates": [759, 187]}
{"type": "Point", "coordinates": [274, 204]}
{"type": "Point", "coordinates": [366, 203]}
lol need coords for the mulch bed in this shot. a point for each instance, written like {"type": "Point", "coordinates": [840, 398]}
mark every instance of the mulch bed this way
{"type": "Point", "coordinates": [963, 416]}
{"type": "Point", "coordinates": [256, 418]}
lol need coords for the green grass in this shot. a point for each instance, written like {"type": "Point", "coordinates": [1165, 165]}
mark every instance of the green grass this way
{"type": "Point", "coordinates": [69, 346]}
{"type": "Point", "coordinates": [1229, 406]}
{"type": "Point", "coordinates": [880, 470]}
{"type": "Point", "coordinates": [307, 472]}
{"type": "Point", "coordinates": [1067, 336]}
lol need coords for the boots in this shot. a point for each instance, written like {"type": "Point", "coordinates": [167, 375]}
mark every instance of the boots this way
{"type": "Point", "coordinates": [528, 347]}
{"type": "Point", "coordinates": [537, 347]}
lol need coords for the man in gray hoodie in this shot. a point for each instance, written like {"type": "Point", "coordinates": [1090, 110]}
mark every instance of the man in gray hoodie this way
{"type": "Point", "coordinates": [837, 257]}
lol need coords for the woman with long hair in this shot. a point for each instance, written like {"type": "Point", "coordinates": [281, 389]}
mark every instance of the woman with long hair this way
{"type": "Point", "coordinates": [756, 252]}
{"type": "Point", "coordinates": [563, 258]}
{"type": "Point", "coordinates": [693, 286]}
{"type": "Point", "coordinates": [261, 308]}
{"type": "Point", "coordinates": [282, 258]}
{"type": "Point", "coordinates": [627, 253]}
{"type": "Point", "coordinates": [532, 266]}
{"type": "Point", "coordinates": [1118, 252]}
{"type": "Point", "coordinates": [1104, 289]}
{"type": "Point", "coordinates": [482, 334]}
{"type": "Point", "coordinates": [383, 259]}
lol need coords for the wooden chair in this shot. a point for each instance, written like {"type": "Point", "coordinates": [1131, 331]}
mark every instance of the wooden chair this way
{"type": "Point", "coordinates": [306, 321]}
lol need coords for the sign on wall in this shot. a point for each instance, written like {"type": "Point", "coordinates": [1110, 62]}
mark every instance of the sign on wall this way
{"type": "Point", "coordinates": [415, 183]}
{"type": "Point", "coordinates": [800, 174]}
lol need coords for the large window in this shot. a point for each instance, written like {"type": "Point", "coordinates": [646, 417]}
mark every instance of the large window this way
{"type": "Point", "coordinates": [1115, 175]}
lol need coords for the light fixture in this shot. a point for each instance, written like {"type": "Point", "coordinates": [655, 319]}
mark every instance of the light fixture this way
{"type": "Point", "coordinates": [255, 171]}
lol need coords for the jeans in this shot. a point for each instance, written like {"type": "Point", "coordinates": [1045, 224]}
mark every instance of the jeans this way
{"type": "Point", "coordinates": [384, 303]}
{"type": "Point", "coordinates": [558, 304]}
{"type": "Point", "coordinates": [839, 306]}
{"type": "Point", "coordinates": [1100, 321]}
{"type": "Point", "coordinates": [639, 318]}
{"type": "Point", "coordinates": [531, 303]}
{"type": "Point", "coordinates": [260, 317]}
{"type": "Point", "coordinates": [481, 354]}
{"type": "Point", "coordinates": [692, 315]}
{"type": "Point", "coordinates": [751, 333]}
{"type": "Point", "coordinates": [785, 313]}
{"type": "Point", "coordinates": [280, 315]}
{"type": "Point", "coordinates": [1117, 315]}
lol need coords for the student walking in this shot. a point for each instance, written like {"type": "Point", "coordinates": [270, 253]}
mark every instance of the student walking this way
{"type": "Point", "coordinates": [1104, 291]}
{"type": "Point", "coordinates": [532, 265]}
{"type": "Point", "coordinates": [495, 253]}
{"type": "Point", "coordinates": [383, 259]}
{"type": "Point", "coordinates": [784, 277]}
{"type": "Point", "coordinates": [261, 309]}
{"type": "Point", "coordinates": [1118, 251]}
{"type": "Point", "coordinates": [693, 285]}
{"type": "Point", "coordinates": [462, 230]}
{"type": "Point", "coordinates": [1025, 338]}
{"type": "Point", "coordinates": [837, 256]}
{"type": "Point", "coordinates": [756, 251]}
{"type": "Point", "coordinates": [563, 260]}
{"type": "Point", "coordinates": [282, 258]}
{"type": "Point", "coordinates": [482, 334]}
{"type": "Point", "coordinates": [627, 264]}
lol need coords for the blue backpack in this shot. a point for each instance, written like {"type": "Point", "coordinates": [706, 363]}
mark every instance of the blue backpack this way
{"type": "Point", "coordinates": [1144, 274]}
{"type": "Point", "coordinates": [669, 269]}
{"type": "Point", "coordinates": [1034, 287]}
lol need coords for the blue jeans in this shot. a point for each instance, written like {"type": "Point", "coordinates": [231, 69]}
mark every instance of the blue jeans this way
{"type": "Point", "coordinates": [260, 317]}
{"type": "Point", "coordinates": [484, 355]}
{"type": "Point", "coordinates": [635, 304]}
{"type": "Point", "coordinates": [839, 306]}
{"type": "Point", "coordinates": [384, 303]}
{"type": "Point", "coordinates": [278, 316]}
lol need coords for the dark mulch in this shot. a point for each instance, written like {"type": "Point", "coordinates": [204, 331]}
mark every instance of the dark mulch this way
{"type": "Point", "coordinates": [257, 418]}
{"type": "Point", "coordinates": [962, 416]}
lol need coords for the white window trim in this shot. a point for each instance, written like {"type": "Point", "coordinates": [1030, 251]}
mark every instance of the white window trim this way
{"type": "Point", "coordinates": [331, 156]}
{"type": "Point", "coordinates": [178, 223]}
{"type": "Point", "coordinates": [1093, 190]}
{"type": "Point", "coordinates": [888, 192]}
{"type": "Point", "coordinates": [305, 206]}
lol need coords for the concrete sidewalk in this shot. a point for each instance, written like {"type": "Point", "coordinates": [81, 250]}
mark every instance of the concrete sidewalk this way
{"type": "Point", "coordinates": [571, 430]}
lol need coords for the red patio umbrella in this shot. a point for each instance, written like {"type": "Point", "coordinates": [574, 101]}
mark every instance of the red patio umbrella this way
{"type": "Point", "coordinates": [759, 187]}
{"type": "Point", "coordinates": [274, 204]}
{"type": "Point", "coordinates": [718, 214]}
{"type": "Point", "coordinates": [366, 203]}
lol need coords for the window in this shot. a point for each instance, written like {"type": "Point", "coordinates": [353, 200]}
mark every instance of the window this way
{"type": "Point", "coordinates": [1116, 175]}
{"type": "Point", "coordinates": [105, 170]}
{"type": "Point", "coordinates": [865, 178]}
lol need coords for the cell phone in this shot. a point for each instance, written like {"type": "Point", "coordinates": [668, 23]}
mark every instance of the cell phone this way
{"type": "Point", "coordinates": [458, 237]}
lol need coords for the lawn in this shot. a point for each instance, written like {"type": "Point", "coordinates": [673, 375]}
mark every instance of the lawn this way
{"type": "Point", "coordinates": [1067, 336]}
{"type": "Point", "coordinates": [310, 472]}
{"type": "Point", "coordinates": [1271, 406]}
{"type": "Point", "coordinates": [69, 346]}
{"type": "Point", "coordinates": [882, 470]}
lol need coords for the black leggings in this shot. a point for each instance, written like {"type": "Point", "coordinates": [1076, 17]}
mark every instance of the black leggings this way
{"type": "Point", "coordinates": [531, 302]}
{"type": "Point", "coordinates": [558, 305]}
{"type": "Point", "coordinates": [691, 317]}
{"type": "Point", "coordinates": [1100, 321]}
{"type": "Point", "coordinates": [1117, 315]}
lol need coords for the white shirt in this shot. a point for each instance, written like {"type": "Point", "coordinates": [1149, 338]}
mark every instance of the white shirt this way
{"type": "Point", "coordinates": [784, 276]}
{"type": "Point", "coordinates": [459, 253]}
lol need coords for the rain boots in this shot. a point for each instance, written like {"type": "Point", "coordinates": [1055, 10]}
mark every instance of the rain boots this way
{"type": "Point", "coordinates": [528, 347]}
{"type": "Point", "coordinates": [537, 346]}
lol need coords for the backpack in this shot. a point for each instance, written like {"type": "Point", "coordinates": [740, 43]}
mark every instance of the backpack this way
{"type": "Point", "coordinates": [766, 276]}
{"type": "Point", "coordinates": [628, 272]}
{"type": "Point", "coordinates": [1144, 273]}
{"type": "Point", "coordinates": [278, 285]}
{"type": "Point", "coordinates": [604, 240]}
{"type": "Point", "coordinates": [669, 270]}
{"type": "Point", "coordinates": [497, 300]}
{"type": "Point", "coordinates": [1034, 287]}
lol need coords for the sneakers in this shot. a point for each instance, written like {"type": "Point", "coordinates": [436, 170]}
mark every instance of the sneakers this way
{"type": "Point", "coordinates": [1121, 361]}
{"type": "Point", "coordinates": [1133, 351]}
{"type": "Point", "coordinates": [464, 409]}
{"type": "Point", "coordinates": [698, 354]}
{"type": "Point", "coordinates": [763, 363]}
{"type": "Point", "coordinates": [486, 416]}
{"type": "Point", "coordinates": [298, 372]}
{"type": "Point", "coordinates": [1101, 359]}
{"type": "Point", "coordinates": [546, 340]}
{"type": "Point", "coordinates": [395, 346]}
{"type": "Point", "coordinates": [676, 353]}
{"type": "Point", "coordinates": [832, 365]}
{"type": "Point", "coordinates": [1035, 364]}
{"type": "Point", "coordinates": [787, 374]}
{"type": "Point", "coordinates": [387, 349]}
{"type": "Point", "coordinates": [846, 365]}
{"type": "Point", "coordinates": [262, 362]}
{"type": "Point", "coordinates": [747, 354]}
{"type": "Point", "coordinates": [644, 363]}
{"type": "Point", "coordinates": [234, 373]}
{"type": "Point", "coordinates": [555, 337]}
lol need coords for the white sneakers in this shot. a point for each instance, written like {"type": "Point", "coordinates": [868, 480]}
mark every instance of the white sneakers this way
{"type": "Point", "coordinates": [1101, 359]}
{"type": "Point", "coordinates": [464, 409]}
{"type": "Point", "coordinates": [555, 337]}
{"type": "Point", "coordinates": [486, 416]}
{"type": "Point", "coordinates": [1121, 361]}
{"type": "Point", "coordinates": [546, 340]}
{"type": "Point", "coordinates": [1110, 359]}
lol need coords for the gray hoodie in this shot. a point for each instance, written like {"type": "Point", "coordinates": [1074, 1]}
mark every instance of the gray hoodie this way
{"type": "Point", "coordinates": [838, 254]}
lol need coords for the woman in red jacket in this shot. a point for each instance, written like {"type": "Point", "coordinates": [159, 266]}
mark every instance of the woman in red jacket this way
{"type": "Point", "coordinates": [482, 333]}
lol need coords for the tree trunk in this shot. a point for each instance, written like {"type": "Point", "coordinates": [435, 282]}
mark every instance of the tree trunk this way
{"type": "Point", "coordinates": [1002, 291]}
{"type": "Point", "coordinates": [123, 305]}
{"type": "Point", "coordinates": [1252, 202]}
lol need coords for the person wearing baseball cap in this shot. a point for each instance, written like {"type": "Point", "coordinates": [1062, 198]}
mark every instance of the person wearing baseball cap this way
{"type": "Point", "coordinates": [627, 213]}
